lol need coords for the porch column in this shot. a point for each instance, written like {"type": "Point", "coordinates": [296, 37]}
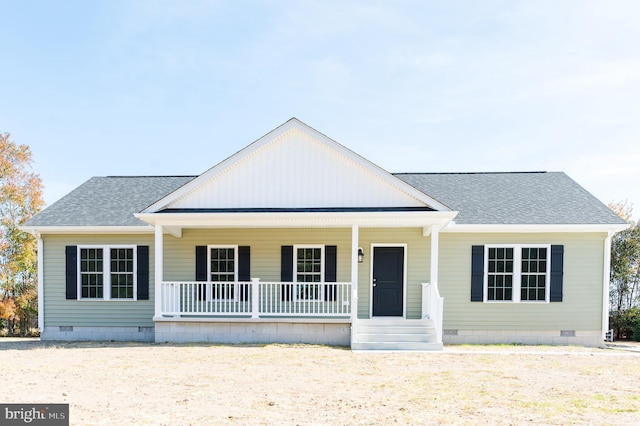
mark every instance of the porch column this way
{"type": "Point", "coordinates": [605, 284]}
{"type": "Point", "coordinates": [435, 247]}
{"type": "Point", "coordinates": [159, 251]}
{"type": "Point", "coordinates": [355, 238]}
{"type": "Point", "coordinates": [40, 281]}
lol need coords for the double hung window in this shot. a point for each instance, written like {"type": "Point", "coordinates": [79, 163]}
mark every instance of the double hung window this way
{"type": "Point", "coordinates": [223, 271]}
{"type": "Point", "coordinates": [517, 273]}
{"type": "Point", "coordinates": [107, 272]}
{"type": "Point", "coordinates": [309, 272]}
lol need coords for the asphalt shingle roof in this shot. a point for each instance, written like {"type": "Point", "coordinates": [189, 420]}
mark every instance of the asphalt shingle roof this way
{"type": "Point", "coordinates": [108, 201]}
{"type": "Point", "coordinates": [480, 198]}
{"type": "Point", "coordinates": [513, 198]}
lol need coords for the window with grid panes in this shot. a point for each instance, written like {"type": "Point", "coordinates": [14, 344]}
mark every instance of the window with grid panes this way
{"type": "Point", "coordinates": [534, 274]}
{"type": "Point", "coordinates": [222, 264]}
{"type": "Point", "coordinates": [517, 273]}
{"type": "Point", "coordinates": [91, 273]}
{"type": "Point", "coordinates": [309, 267]}
{"type": "Point", "coordinates": [121, 273]}
{"type": "Point", "coordinates": [107, 272]}
{"type": "Point", "coordinates": [500, 274]}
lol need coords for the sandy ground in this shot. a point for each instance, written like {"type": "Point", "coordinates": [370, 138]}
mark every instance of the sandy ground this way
{"type": "Point", "coordinates": [203, 384]}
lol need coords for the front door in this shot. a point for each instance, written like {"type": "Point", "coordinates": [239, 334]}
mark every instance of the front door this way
{"type": "Point", "coordinates": [388, 281]}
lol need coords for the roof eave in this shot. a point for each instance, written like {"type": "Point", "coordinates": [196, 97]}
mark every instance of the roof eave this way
{"type": "Point", "coordinates": [42, 230]}
{"type": "Point", "coordinates": [534, 228]}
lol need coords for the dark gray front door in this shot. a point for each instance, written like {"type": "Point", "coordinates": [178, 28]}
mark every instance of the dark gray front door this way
{"type": "Point", "coordinates": [388, 279]}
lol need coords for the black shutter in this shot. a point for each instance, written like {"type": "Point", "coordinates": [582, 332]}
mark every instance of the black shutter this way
{"type": "Point", "coordinates": [244, 271]}
{"type": "Point", "coordinates": [330, 272]}
{"type": "Point", "coordinates": [143, 272]}
{"type": "Point", "coordinates": [71, 271]}
{"type": "Point", "coordinates": [477, 273]}
{"type": "Point", "coordinates": [557, 268]}
{"type": "Point", "coordinates": [286, 271]}
{"type": "Point", "coordinates": [201, 270]}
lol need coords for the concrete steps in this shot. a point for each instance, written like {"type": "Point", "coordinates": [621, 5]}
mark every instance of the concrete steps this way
{"type": "Point", "coordinates": [395, 334]}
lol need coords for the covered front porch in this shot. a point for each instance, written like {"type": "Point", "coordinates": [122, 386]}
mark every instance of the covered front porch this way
{"type": "Point", "coordinates": [327, 308]}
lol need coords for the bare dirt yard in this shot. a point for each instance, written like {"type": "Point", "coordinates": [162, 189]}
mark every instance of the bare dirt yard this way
{"type": "Point", "coordinates": [110, 383]}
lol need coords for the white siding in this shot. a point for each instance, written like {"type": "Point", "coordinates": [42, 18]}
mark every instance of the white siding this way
{"type": "Point", "coordinates": [296, 170]}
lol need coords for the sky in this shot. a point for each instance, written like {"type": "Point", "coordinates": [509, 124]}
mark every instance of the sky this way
{"type": "Point", "coordinates": [119, 87]}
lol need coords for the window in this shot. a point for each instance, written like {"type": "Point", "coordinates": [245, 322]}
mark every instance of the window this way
{"type": "Point", "coordinates": [107, 272]}
{"type": "Point", "coordinates": [223, 271]}
{"type": "Point", "coordinates": [516, 273]}
{"type": "Point", "coordinates": [309, 261]}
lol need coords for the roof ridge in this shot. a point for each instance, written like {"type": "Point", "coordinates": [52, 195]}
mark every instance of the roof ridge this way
{"type": "Point", "coordinates": [147, 176]}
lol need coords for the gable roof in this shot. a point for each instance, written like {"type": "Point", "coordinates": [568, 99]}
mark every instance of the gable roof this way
{"type": "Point", "coordinates": [294, 166]}
{"type": "Point", "coordinates": [520, 198]}
{"type": "Point", "coordinates": [108, 201]}
{"type": "Point", "coordinates": [523, 198]}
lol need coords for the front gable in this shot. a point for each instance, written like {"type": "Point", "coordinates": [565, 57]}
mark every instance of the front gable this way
{"type": "Point", "coordinates": [295, 167]}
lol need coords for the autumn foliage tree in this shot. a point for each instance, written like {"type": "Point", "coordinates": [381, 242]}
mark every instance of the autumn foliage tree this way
{"type": "Point", "coordinates": [20, 199]}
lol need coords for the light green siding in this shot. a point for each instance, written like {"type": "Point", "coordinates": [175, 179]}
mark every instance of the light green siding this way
{"type": "Point", "coordinates": [581, 308]}
{"type": "Point", "coordinates": [59, 311]}
{"type": "Point", "coordinates": [179, 253]}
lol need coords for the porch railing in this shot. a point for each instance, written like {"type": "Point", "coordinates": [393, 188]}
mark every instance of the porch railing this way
{"type": "Point", "coordinates": [256, 299]}
{"type": "Point", "coordinates": [433, 306]}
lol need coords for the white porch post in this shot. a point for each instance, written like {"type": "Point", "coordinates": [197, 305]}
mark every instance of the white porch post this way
{"type": "Point", "coordinates": [255, 297]}
{"type": "Point", "coordinates": [435, 252]}
{"type": "Point", "coordinates": [159, 251]}
{"type": "Point", "coordinates": [40, 282]}
{"type": "Point", "coordinates": [435, 246]}
{"type": "Point", "coordinates": [605, 285]}
{"type": "Point", "coordinates": [355, 238]}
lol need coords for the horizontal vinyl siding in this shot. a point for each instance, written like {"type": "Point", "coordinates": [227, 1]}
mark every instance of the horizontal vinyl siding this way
{"type": "Point", "coordinates": [62, 312]}
{"type": "Point", "coordinates": [581, 308]}
{"type": "Point", "coordinates": [179, 253]}
{"type": "Point", "coordinates": [418, 266]}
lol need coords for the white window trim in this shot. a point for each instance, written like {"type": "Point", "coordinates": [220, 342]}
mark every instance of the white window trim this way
{"type": "Point", "coordinates": [210, 297]}
{"type": "Point", "coordinates": [295, 271]}
{"type": "Point", "coordinates": [517, 273]}
{"type": "Point", "coordinates": [106, 272]}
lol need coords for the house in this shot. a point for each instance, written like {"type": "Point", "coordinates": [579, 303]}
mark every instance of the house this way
{"type": "Point", "coordinates": [296, 238]}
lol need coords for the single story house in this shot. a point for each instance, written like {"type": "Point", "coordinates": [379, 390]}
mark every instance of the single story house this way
{"type": "Point", "coordinates": [295, 238]}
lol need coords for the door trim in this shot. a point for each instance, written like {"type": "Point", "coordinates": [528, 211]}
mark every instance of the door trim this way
{"type": "Point", "coordinates": [404, 277]}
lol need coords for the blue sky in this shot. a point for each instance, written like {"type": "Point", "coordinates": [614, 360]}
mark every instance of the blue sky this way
{"type": "Point", "coordinates": [100, 88]}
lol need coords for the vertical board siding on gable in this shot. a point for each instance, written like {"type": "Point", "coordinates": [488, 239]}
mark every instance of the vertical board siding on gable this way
{"type": "Point", "coordinates": [418, 266]}
{"type": "Point", "coordinates": [272, 178]}
{"type": "Point", "coordinates": [581, 308]}
{"type": "Point", "coordinates": [62, 312]}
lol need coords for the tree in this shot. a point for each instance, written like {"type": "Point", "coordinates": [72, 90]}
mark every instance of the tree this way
{"type": "Point", "coordinates": [624, 286]}
{"type": "Point", "coordinates": [20, 199]}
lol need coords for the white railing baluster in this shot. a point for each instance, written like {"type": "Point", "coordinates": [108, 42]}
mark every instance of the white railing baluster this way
{"type": "Point", "coordinates": [256, 299]}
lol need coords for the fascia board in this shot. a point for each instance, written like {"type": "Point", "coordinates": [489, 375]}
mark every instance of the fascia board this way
{"type": "Point", "coordinates": [535, 228]}
{"type": "Point", "coordinates": [88, 229]}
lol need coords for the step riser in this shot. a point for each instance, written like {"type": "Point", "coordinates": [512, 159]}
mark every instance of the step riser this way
{"type": "Point", "coordinates": [394, 329]}
{"type": "Point", "coordinates": [424, 338]}
{"type": "Point", "coordinates": [396, 346]}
